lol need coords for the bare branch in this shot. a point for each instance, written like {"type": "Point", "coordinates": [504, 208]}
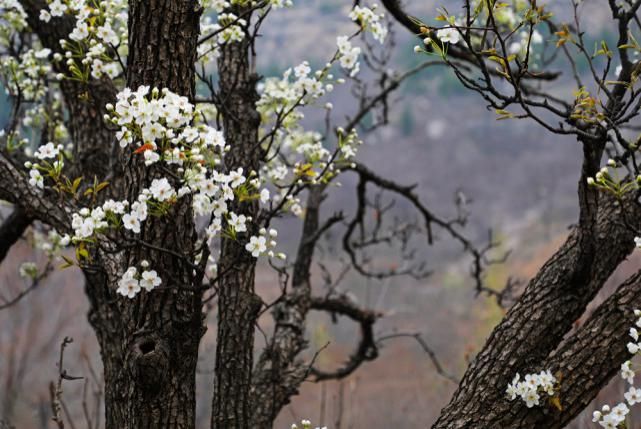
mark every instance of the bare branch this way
{"type": "Point", "coordinates": [426, 348]}
{"type": "Point", "coordinates": [366, 350]}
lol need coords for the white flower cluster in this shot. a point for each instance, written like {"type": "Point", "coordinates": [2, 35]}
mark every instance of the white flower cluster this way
{"type": "Point", "coordinates": [87, 222]}
{"type": "Point", "coordinates": [26, 75]}
{"type": "Point", "coordinates": [306, 424]}
{"type": "Point", "coordinates": [531, 387]}
{"type": "Point", "coordinates": [100, 30]}
{"type": "Point", "coordinates": [132, 282]}
{"type": "Point", "coordinates": [445, 35]}
{"type": "Point", "coordinates": [296, 156]}
{"type": "Point", "coordinates": [449, 35]}
{"type": "Point", "coordinates": [52, 242]}
{"type": "Point", "coordinates": [45, 153]}
{"type": "Point", "coordinates": [370, 21]}
{"type": "Point", "coordinates": [297, 85]}
{"type": "Point", "coordinates": [13, 19]}
{"type": "Point", "coordinates": [208, 50]}
{"type": "Point", "coordinates": [348, 55]}
{"type": "Point", "coordinates": [28, 270]}
{"type": "Point", "coordinates": [263, 243]}
{"type": "Point", "coordinates": [279, 106]}
{"type": "Point", "coordinates": [511, 16]}
{"type": "Point", "coordinates": [139, 211]}
{"type": "Point", "coordinates": [162, 126]}
{"type": "Point", "coordinates": [227, 27]}
{"type": "Point", "coordinates": [36, 179]}
{"type": "Point", "coordinates": [608, 179]}
{"type": "Point", "coordinates": [611, 418]}
{"type": "Point", "coordinates": [603, 176]}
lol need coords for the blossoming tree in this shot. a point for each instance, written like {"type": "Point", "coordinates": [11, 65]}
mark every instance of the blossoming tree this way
{"type": "Point", "coordinates": [143, 138]}
{"type": "Point", "coordinates": [521, 59]}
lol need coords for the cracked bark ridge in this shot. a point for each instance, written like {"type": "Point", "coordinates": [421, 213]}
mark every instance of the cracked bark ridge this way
{"type": "Point", "coordinates": [279, 373]}
{"type": "Point", "coordinates": [149, 344]}
{"type": "Point", "coordinates": [237, 302]}
{"type": "Point", "coordinates": [536, 325]}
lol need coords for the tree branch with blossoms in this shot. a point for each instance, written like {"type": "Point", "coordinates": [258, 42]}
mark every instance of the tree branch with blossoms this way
{"type": "Point", "coordinates": [506, 48]}
{"type": "Point", "coordinates": [165, 192]}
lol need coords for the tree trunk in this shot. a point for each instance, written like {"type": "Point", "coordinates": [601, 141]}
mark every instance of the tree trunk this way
{"type": "Point", "coordinates": [149, 344]}
{"type": "Point", "coordinates": [535, 326]}
{"type": "Point", "coordinates": [237, 303]}
{"type": "Point", "coordinates": [149, 351]}
{"type": "Point", "coordinates": [279, 371]}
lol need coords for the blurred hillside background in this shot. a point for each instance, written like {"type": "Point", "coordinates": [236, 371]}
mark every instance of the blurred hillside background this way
{"type": "Point", "coordinates": [520, 182]}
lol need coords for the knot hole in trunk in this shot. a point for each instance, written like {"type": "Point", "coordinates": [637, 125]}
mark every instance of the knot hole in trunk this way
{"type": "Point", "coordinates": [147, 346]}
{"type": "Point", "coordinates": [148, 363]}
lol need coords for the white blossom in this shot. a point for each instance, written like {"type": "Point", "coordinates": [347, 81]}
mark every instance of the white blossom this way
{"type": "Point", "coordinates": [237, 222]}
{"type": "Point", "coordinates": [28, 270]}
{"type": "Point", "coordinates": [448, 35]}
{"type": "Point", "coordinates": [256, 246]}
{"type": "Point", "coordinates": [149, 280]}
{"type": "Point", "coordinates": [161, 189]}
{"type": "Point", "coordinates": [47, 151]}
{"type": "Point", "coordinates": [128, 285]}
{"type": "Point", "coordinates": [633, 395]}
{"type": "Point", "coordinates": [131, 222]}
{"type": "Point", "coordinates": [36, 179]}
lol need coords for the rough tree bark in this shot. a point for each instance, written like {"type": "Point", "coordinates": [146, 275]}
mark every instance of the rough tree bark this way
{"type": "Point", "coordinates": [278, 373]}
{"type": "Point", "coordinates": [589, 359]}
{"type": "Point", "coordinates": [237, 303]}
{"type": "Point", "coordinates": [536, 332]}
{"type": "Point", "coordinates": [537, 323]}
{"type": "Point", "coordinates": [149, 346]}
{"type": "Point", "coordinates": [11, 230]}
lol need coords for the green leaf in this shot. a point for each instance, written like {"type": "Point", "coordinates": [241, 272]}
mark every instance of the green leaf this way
{"type": "Point", "coordinates": [76, 184]}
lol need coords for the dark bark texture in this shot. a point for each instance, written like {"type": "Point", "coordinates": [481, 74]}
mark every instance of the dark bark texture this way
{"type": "Point", "coordinates": [237, 303]}
{"type": "Point", "coordinates": [11, 230]}
{"type": "Point", "coordinates": [279, 372]}
{"type": "Point", "coordinates": [535, 326]}
{"type": "Point", "coordinates": [149, 345]}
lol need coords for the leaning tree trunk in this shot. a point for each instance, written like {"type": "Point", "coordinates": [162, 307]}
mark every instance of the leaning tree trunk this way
{"type": "Point", "coordinates": [149, 344]}
{"type": "Point", "coordinates": [237, 303]}
{"type": "Point", "coordinates": [542, 317]}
